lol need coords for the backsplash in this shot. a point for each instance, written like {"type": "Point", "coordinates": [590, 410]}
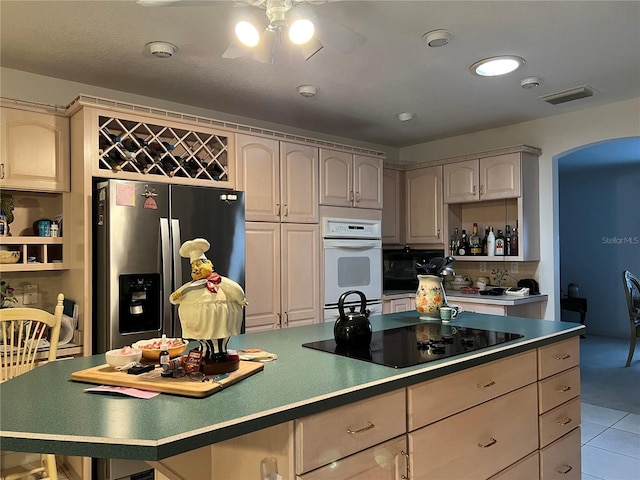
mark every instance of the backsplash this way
{"type": "Point", "coordinates": [497, 272]}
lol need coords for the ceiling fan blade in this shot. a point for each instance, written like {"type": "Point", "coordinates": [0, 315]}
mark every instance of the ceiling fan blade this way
{"type": "Point", "coordinates": [336, 35]}
{"type": "Point", "coordinates": [265, 50]}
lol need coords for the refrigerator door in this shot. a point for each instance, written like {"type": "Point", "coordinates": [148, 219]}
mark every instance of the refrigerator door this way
{"type": "Point", "coordinates": [213, 214]}
{"type": "Point", "coordinates": [130, 297]}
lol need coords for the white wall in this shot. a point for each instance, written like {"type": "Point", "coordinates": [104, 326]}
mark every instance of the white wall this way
{"type": "Point", "coordinates": [554, 136]}
{"type": "Point", "coordinates": [599, 238]}
{"type": "Point", "coordinates": [20, 85]}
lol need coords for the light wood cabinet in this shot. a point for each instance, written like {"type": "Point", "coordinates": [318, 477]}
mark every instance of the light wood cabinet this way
{"type": "Point", "coordinates": [392, 212]}
{"type": "Point", "coordinates": [495, 191]}
{"type": "Point", "coordinates": [487, 178]}
{"type": "Point", "coordinates": [527, 310]}
{"type": "Point", "coordinates": [399, 305]}
{"type": "Point", "coordinates": [348, 180]}
{"type": "Point", "coordinates": [34, 152]}
{"type": "Point", "coordinates": [562, 459]}
{"type": "Point", "coordinates": [280, 180]}
{"type": "Point", "coordinates": [423, 193]}
{"type": "Point", "coordinates": [277, 257]}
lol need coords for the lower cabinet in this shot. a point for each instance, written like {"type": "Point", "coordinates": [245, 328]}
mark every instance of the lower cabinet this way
{"type": "Point", "coordinates": [513, 418]}
{"type": "Point", "coordinates": [396, 305]}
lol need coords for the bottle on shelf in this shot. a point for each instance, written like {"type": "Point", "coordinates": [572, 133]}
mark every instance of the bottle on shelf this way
{"type": "Point", "coordinates": [215, 171]}
{"type": "Point", "coordinates": [474, 241]}
{"type": "Point", "coordinates": [484, 240]}
{"type": "Point", "coordinates": [499, 244]}
{"type": "Point", "coordinates": [133, 144]}
{"type": "Point", "coordinates": [491, 243]}
{"type": "Point", "coordinates": [507, 240]}
{"type": "Point", "coordinates": [514, 241]}
{"type": "Point", "coordinates": [463, 247]}
{"type": "Point", "coordinates": [54, 229]}
{"type": "Point", "coordinates": [454, 243]}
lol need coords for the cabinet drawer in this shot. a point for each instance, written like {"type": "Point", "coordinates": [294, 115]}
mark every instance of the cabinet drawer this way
{"type": "Point", "coordinates": [385, 461]}
{"type": "Point", "coordinates": [559, 421]}
{"type": "Point", "coordinates": [557, 357]}
{"type": "Point", "coordinates": [478, 442]}
{"type": "Point", "coordinates": [561, 459]}
{"type": "Point", "coordinates": [558, 389]}
{"type": "Point", "coordinates": [526, 469]}
{"type": "Point", "coordinates": [436, 399]}
{"type": "Point", "coordinates": [336, 433]}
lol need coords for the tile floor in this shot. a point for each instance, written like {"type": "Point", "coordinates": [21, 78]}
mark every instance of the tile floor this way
{"type": "Point", "coordinates": [610, 444]}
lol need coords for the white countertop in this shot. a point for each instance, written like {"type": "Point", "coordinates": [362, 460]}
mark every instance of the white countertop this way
{"type": "Point", "coordinates": [453, 295]}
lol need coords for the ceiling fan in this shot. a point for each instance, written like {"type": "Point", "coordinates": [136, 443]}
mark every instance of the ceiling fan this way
{"type": "Point", "coordinates": [263, 25]}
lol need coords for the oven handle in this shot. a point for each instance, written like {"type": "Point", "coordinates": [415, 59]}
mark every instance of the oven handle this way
{"type": "Point", "coordinates": [355, 244]}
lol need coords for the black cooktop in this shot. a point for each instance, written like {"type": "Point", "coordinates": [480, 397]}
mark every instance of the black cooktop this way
{"type": "Point", "coordinates": [415, 344]}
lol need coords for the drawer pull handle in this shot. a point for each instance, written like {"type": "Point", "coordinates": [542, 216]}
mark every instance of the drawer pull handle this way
{"type": "Point", "coordinates": [492, 441]}
{"type": "Point", "coordinates": [363, 429]}
{"type": "Point", "coordinates": [563, 357]}
{"type": "Point", "coordinates": [566, 388]}
{"type": "Point", "coordinates": [564, 469]}
{"type": "Point", "coordinates": [566, 421]}
{"type": "Point", "coordinates": [490, 384]}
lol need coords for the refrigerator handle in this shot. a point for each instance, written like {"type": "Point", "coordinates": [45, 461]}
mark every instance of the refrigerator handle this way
{"type": "Point", "coordinates": [175, 251]}
{"type": "Point", "coordinates": [165, 266]}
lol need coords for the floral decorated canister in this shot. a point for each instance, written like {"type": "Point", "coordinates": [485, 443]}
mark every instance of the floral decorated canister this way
{"type": "Point", "coordinates": [430, 296]}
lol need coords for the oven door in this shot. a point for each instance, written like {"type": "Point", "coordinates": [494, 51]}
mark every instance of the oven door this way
{"type": "Point", "coordinates": [352, 264]}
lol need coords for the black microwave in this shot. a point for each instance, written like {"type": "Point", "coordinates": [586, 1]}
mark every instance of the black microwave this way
{"type": "Point", "coordinates": [399, 267]}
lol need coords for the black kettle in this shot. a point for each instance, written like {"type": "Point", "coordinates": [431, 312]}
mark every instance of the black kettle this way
{"type": "Point", "coordinates": [352, 329]}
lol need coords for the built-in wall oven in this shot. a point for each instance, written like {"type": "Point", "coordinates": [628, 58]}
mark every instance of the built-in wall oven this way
{"type": "Point", "coordinates": [352, 261]}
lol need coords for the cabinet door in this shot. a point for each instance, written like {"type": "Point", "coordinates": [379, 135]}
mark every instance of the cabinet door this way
{"type": "Point", "coordinates": [336, 178]}
{"type": "Point", "coordinates": [300, 274]}
{"type": "Point", "coordinates": [299, 183]}
{"type": "Point", "coordinates": [461, 182]}
{"type": "Point", "coordinates": [262, 276]}
{"type": "Point", "coordinates": [391, 220]}
{"type": "Point", "coordinates": [367, 182]}
{"type": "Point", "coordinates": [259, 176]}
{"type": "Point", "coordinates": [35, 151]}
{"type": "Point", "coordinates": [500, 176]}
{"type": "Point", "coordinates": [562, 459]}
{"type": "Point", "coordinates": [424, 205]}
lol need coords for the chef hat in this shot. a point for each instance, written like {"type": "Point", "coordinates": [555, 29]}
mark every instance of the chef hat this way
{"type": "Point", "coordinates": [194, 249]}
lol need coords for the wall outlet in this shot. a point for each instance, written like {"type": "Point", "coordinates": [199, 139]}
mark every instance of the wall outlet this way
{"type": "Point", "coordinates": [29, 294]}
{"type": "Point", "coordinates": [483, 267]}
{"type": "Point", "coordinates": [514, 267]}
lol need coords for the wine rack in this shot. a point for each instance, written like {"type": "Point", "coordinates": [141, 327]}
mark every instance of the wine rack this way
{"type": "Point", "coordinates": [149, 149]}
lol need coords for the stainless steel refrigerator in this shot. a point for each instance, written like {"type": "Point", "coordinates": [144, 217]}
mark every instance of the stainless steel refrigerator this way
{"type": "Point", "coordinates": [138, 229]}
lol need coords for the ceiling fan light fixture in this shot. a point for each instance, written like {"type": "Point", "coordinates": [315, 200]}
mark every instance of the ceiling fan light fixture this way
{"type": "Point", "coordinates": [437, 38]}
{"type": "Point", "coordinates": [247, 33]}
{"type": "Point", "coordinates": [301, 31]}
{"type": "Point", "coordinates": [496, 66]}
{"type": "Point", "coordinates": [307, 90]}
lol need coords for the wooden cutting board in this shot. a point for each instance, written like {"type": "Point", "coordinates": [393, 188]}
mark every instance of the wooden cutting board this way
{"type": "Point", "coordinates": [152, 381]}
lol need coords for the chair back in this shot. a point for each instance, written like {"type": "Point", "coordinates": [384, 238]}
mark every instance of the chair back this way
{"type": "Point", "coordinates": [632, 294]}
{"type": "Point", "coordinates": [21, 330]}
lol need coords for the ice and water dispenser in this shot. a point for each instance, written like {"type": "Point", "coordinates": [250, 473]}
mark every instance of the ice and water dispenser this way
{"type": "Point", "coordinates": [140, 303]}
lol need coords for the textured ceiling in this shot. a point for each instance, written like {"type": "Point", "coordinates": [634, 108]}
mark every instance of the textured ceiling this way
{"type": "Point", "coordinates": [567, 43]}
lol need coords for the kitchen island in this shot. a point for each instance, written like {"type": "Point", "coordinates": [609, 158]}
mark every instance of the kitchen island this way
{"type": "Point", "coordinates": [302, 384]}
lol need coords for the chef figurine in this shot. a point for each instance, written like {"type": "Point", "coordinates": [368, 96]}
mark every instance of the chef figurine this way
{"type": "Point", "coordinates": [210, 306]}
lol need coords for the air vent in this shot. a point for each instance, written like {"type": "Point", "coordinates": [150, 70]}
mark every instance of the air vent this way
{"type": "Point", "coordinates": [569, 95]}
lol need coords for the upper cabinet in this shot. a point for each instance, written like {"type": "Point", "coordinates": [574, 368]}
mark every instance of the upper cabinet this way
{"type": "Point", "coordinates": [487, 178]}
{"type": "Point", "coordinates": [392, 213]}
{"type": "Point", "coordinates": [280, 180]}
{"type": "Point", "coordinates": [423, 194]}
{"type": "Point", "coordinates": [348, 180]}
{"type": "Point", "coordinates": [34, 152]}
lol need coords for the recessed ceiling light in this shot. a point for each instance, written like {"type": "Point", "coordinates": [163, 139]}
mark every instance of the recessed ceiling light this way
{"type": "Point", "coordinates": [307, 90]}
{"type": "Point", "coordinates": [437, 38]}
{"type": "Point", "coordinates": [162, 49]}
{"type": "Point", "coordinates": [406, 116]}
{"type": "Point", "coordinates": [530, 82]}
{"type": "Point", "coordinates": [494, 66]}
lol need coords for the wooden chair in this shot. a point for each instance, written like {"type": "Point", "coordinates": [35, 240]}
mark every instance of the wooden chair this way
{"type": "Point", "coordinates": [21, 330]}
{"type": "Point", "coordinates": [632, 293]}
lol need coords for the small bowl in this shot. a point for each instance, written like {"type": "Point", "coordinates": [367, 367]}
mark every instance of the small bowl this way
{"type": "Point", "coordinates": [151, 348]}
{"type": "Point", "coordinates": [470, 290]}
{"type": "Point", "coordinates": [123, 356]}
{"type": "Point", "coordinates": [7, 256]}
